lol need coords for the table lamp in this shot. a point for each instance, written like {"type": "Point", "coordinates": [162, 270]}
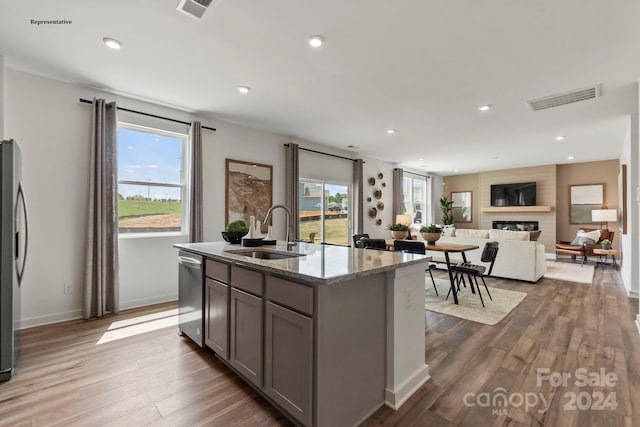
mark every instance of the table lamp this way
{"type": "Point", "coordinates": [604, 215]}
{"type": "Point", "coordinates": [406, 220]}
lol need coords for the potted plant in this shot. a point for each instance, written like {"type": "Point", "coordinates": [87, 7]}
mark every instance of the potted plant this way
{"type": "Point", "coordinates": [235, 231]}
{"type": "Point", "coordinates": [606, 244]}
{"type": "Point", "coordinates": [431, 234]}
{"type": "Point", "coordinates": [398, 231]}
{"type": "Point", "coordinates": [446, 206]}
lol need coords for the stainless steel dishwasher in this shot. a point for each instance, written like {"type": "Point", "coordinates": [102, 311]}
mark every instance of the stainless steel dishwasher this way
{"type": "Point", "coordinates": [190, 296]}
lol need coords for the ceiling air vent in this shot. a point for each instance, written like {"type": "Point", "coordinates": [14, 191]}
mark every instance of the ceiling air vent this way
{"type": "Point", "coordinates": [195, 8]}
{"type": "Point", "coordinates": [564, 98]}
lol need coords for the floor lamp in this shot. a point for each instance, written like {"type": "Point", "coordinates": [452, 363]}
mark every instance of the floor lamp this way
{"type": "Point", "coordinates": [604, 215]}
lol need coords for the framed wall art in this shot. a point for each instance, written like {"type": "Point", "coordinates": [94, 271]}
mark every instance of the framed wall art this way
{"type": "Point", "coordinates": [461, 206]}
{"type": "Point", "coordinates": [249, 190]}
{"type": "Point", "coordinates": [582, 200]}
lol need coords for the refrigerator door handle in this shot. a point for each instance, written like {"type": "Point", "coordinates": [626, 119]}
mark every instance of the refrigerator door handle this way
{"type": "Point", "coordinates": [20, 197]}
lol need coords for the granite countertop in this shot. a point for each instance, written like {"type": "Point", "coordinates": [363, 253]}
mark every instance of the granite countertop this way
{"type": "Point", "coordinates": [319, 264]}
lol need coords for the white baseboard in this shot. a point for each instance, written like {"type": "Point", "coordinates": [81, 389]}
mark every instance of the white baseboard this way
{"type": "Point", "coordinates": [49, 319]}
{"type": "Point", "coordinates": [142, 302]}
{"type": "Point", "coordinates": [395, 398]}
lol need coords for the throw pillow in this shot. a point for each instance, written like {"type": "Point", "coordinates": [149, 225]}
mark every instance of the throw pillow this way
{"type": "Point", "coordinates": [462, 232]}
{"type": "Point", "coordinates": [593, 235]}
{"type": "Point", "coordinates": [508, 235]}
{"type": "Point", "coordinates": [534, 235]}
{"type": "Point", "coordinates": [479, 234]}
{"type": "Point", "coordinates": [581, 240]}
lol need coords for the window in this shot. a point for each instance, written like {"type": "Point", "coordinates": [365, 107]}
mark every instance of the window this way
{"type": "Point", "coordinates": [151, 179]}
{"type": "Point", "coordinates": [324, 212]}
{"type": "Point", "coordinates": [416, 195]}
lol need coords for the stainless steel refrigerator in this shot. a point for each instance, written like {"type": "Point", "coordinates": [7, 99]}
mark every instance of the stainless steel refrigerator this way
{"type": "Point", "coordinates": [13, 251]}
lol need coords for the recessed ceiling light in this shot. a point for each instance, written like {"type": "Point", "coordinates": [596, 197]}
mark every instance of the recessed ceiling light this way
{"type": "Point", "coordinates": [244, 89]}
{"type": "Point", "coordinates": [421, 158]}
{"type": "Point", "coordinates": [485, 107]}
{"type": "Point", "coordinates": [455, 170]}
{"type": "Point", "coordinates": [570, 157]}
{"type": "Point", "coordinates": [391, 131]}
{"type": "Point", "coordinates": [559, 137]}
{"type": "Point", "coordinates": [112, 43]}
{"type": "Point", "coordinates": [315, 41]}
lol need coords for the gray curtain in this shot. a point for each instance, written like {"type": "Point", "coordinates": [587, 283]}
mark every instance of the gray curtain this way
{"type": "Point", "coordinates": [195, 188]}
{"type": "Point", "coordinates": [358, 196]}
{"type": "Point", "coordinates": [398, 193]}
{"type": "Point", "coordinates": [101, 272]}
{"type": "Point", "coordinates": [292, 177]}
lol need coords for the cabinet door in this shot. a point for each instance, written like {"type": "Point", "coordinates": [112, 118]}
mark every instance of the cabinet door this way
{"type": "Point", "coordinates": [217, 317]}
{"type": "Point", "coordinates": [289, 361]}
{"type": "Point", "coordinates": [246, 335]}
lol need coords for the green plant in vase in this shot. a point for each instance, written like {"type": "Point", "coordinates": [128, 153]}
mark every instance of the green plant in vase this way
{"type": "Point", "coordinates": [606, 244]}
{"type": "Point", "coordinates": [431, 233]}
{"type": "Point", "coordinates": [446, 207]}
{"type": "Point", "coordinates": [234, 231]}
{"type": "Point", "coordinates": [398, 231]}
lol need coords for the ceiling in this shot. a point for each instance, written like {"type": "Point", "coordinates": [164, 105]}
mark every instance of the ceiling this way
{"type": "Point", "coordinates": [420, 67]}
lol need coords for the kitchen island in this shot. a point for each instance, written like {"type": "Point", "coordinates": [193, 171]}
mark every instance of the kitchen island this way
{"type": "Point", "coordinates": [326, 333]}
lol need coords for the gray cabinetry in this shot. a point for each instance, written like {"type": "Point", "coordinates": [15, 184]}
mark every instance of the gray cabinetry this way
{"type": "Point", "coordinates": [246, 335]}
{"type": "Point", "coordinates": [289, 361]}
{"type": "Point", "coordinates": [217, 317]}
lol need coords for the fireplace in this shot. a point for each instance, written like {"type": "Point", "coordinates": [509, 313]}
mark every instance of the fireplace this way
{"type": "Point", "coordinates": [515, 225]}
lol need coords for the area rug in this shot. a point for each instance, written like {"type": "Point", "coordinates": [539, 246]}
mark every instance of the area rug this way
{"type": "Point", "coordinates": [469, 306]}
{"type": "Point", "coordinates": [569, 272]}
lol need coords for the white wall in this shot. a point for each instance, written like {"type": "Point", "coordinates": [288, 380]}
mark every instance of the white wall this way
{"type": "Point", "coordinates": [372, 168]}
{"type": "Point", "coordinates": [628, 245]}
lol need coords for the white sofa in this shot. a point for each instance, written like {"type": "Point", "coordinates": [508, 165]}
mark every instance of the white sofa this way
{"type": "Point", "coordinates": [516, 259]}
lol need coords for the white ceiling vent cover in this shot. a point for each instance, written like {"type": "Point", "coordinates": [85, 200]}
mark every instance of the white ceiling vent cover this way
{"type": "Point", "coordinates": [195, 8]}
{"type": "Point", "coordinates": [564, 98]}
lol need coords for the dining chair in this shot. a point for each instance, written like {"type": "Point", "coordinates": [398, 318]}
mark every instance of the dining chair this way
{"type": "Point", "coordinates": [374, 244]}
{"type": "Point", "coordinates": [473, 271]}
{"type": "Point", "coordinates": [356, 239]}
{"type": "Point", "coordinates": [415, 247]}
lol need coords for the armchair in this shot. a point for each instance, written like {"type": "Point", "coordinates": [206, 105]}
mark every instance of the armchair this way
{"type": "Point", "coordinates": [585, 250]}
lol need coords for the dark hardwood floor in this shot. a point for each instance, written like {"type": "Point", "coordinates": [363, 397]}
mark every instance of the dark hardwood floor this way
{"type": "Point", "coordinates": [133, 369]}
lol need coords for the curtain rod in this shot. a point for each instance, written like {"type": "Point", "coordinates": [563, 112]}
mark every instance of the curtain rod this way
{"type": "Point", "coordinates": [86, 101]}
{"type": "Point", "coordinates": [417, 174]}
{"type": "Point", "coordinates": [324, 154]}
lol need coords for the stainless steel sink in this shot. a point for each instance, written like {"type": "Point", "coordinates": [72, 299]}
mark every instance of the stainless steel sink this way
{"type": "Point", "coordinates": [264, 254]}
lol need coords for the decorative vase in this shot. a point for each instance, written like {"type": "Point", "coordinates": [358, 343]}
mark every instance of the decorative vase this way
{"type": "Point", "coordinates": [606, 247]}
{"type": "Point", "coordinates": [431, 238]}
{"type": "Point", "coordinates": [399, 234]}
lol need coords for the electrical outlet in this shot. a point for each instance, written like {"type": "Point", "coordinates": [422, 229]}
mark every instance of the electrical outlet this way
{"type": "Point", "coordinates": [68, 288]}
{"type": "Point", "coordinates": [407, 297]}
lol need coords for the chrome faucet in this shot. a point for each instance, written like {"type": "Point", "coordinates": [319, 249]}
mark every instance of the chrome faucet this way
{"type": "Point", "coordinates": [286, 209]}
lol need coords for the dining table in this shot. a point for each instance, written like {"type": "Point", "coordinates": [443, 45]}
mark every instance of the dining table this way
{"type": "Point", "coordinates": [445, 248]}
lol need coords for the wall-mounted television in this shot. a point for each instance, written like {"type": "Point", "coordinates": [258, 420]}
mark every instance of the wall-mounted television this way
{"type": "Point", "coordinates": [518, 194]}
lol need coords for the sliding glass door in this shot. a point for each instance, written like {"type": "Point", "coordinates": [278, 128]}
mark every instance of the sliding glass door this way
{"type": "Point", "coordinates": [325, 212]}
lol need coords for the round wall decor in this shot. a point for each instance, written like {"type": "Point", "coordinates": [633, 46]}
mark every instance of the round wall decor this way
{"type": "Point", "coordinates": [380, 206]}
{"type": "Point", "coordinates": [368, 199]}
{"type": "Point", "coordinates": [373, 212]}
{"type": "Point", "coordinates": [379, 222]}
{"type": "Point", "coordinates": [372, 181]}
{"type": "Point", "coordinates": [377, 193]}
{"type": "Point", "coordinates": [380, 176]}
